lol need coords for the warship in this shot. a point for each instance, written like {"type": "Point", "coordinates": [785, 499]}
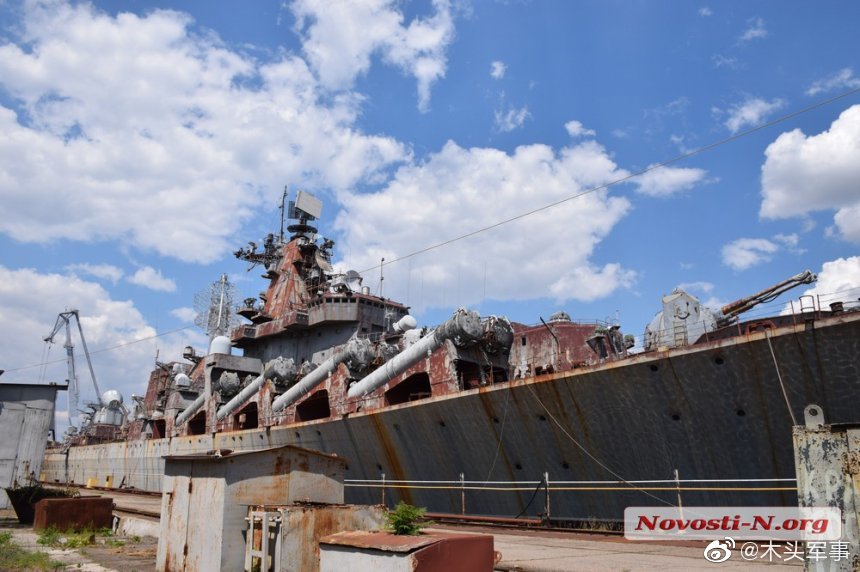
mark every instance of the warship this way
{"type": "Point", "coordinates": [562, 420]}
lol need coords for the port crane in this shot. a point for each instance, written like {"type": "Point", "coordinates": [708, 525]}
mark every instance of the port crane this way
{"type": "Point", "coordinates": [63, 322]}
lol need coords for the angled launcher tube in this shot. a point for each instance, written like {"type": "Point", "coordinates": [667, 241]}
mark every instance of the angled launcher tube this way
{"type": "Point", "coordinates": [463, 328]}
{"type": "Point", "coordinates": [191, 409]}
{"type": "Point", "coordinates": [356, 350]}
{"type": "Point", "coordinates": [241, 397]}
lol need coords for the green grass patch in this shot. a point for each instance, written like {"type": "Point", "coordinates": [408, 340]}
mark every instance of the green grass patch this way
{"type": "Point", "coordinates": [69, 539]}
{"type": "Point", "coordinates": [16, 558]}
{"type": "Point", "coordinates": [49, 537]}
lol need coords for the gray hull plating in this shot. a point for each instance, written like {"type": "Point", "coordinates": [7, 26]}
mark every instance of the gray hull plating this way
{"type": "Point", "coordinates": [26, 417]}
{"type": "Point", "coordinates": [711, 411]}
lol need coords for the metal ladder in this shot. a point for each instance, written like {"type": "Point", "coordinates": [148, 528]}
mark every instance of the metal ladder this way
{"type": "Point", "coordinates": [259, 556]}
{"type": "Point", "coordinates": [680, 335]}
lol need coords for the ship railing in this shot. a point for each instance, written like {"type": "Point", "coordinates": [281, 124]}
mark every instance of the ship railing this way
{"type": "Point", "coordinates": [371, 336]}
{"type": "Point", "coordinates": [798, 310]}
{"type": "Point", "coordinates": [675, 486]}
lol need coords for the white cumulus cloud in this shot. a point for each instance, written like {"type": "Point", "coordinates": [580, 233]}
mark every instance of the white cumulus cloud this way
{"type": "Point", "coordinates": [340, 40]}
{"type": "Point", "coordinates": [577, 129]}
{"type": "Point", "coordinates": [755, 30]}
{"type": "Point", "coordinates": [838, 281]}
{"type": "Point", "coordinates": [31, 301]}
{"type": "Point", "coordinates": [700, 286]}
{"type": "Point", "coordinates": [843, 79]}
{"type": "Point", "coordinates": [460, 190]}
{"type": "Point", "coordinates": [729, 62]}
{"type": "Point", "coordinates": [185, 314]}
{"type": "Point", "coordinates": [149, 277]}
{"type": "Point", "coordinates": [498, 69]}
{"type": "Point", "coordinates": [751, 112]}
{"type": "Point", "coordinates": [511, 118]}
{"type": "Point", "coordinates": [666, 181]}
{"type": "Point", "coordinates": [744, 253]}
{"type": "Point", "coordinates": [803, 174]}
{"type": "Point", "coordinates": [103, 271]}
{"type": "Point", "coordinates": [127, 125]}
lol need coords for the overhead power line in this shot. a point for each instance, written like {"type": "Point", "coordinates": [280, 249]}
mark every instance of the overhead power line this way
{"type": "Point", "coordinates": [103, 350]}
{"type": "Point", "coordinates": [625, 178]}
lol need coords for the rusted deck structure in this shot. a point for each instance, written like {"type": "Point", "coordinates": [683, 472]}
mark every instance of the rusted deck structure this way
{"type": "Point", "coordinates": [713, 410]}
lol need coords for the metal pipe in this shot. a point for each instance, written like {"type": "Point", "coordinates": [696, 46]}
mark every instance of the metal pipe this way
{"type": "Point", "coordinates": [358, 349]}
{"type": "Point", "coordinates": [241, 397]}
{"type": "Point", "coordinates": [463, 327]}
{"type": "Point", "coordinates": [191, 409]}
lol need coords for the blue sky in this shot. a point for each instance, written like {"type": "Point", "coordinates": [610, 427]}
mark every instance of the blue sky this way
{"type": "Point", "coordinates": [142, 142]}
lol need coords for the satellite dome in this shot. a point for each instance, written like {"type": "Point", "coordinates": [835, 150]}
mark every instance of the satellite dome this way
{"type": "Point", "coordinates": [220, 345]}
{"type": "Point", "coordinates": [182, 380]}
{"type": "Point", "coordinates": [560, 317]}
{"type": "Point", "coordinates": [112, 398]}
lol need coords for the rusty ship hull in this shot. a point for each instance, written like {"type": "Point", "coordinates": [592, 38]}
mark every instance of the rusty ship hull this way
{"type": "Point", "coordinates": [715, 411]}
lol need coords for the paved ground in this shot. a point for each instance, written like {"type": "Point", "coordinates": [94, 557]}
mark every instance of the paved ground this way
{"type": "Point", "coordinates": [543, 551]}
{"type": "Point", "coordinates": [521, 550]}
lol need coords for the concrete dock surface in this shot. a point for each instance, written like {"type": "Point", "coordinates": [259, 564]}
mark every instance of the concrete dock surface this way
{"type": "Point", "coordinates": [524, 550]}
{"type": "Point", "coordinates": [551, 551]}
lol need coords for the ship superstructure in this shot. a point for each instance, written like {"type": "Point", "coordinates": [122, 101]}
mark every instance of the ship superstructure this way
{"type": "Point", "coordinates": [326, 364]}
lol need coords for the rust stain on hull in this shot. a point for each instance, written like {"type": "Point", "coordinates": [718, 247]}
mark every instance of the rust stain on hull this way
{"type": "Point", "coordinates": [390, 455]}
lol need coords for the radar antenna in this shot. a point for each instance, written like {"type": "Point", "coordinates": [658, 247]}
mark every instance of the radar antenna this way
{"type": "Point", "coordinates": [214, 307]}
{"type": "Point", "coordinates": [305, 208]}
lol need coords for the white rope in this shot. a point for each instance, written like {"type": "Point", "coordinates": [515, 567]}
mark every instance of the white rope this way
{"type": "Point", "coordinates": [779, 377]}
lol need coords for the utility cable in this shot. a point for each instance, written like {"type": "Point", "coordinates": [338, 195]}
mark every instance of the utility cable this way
{"type": "Point", "coordinates": [501, 437]}
{"type": "Point", "coordinates": [103, 350]}
{"type": "Point", "coordinates": [589, 454]}
{"type": "Point", "coordinates": [624, 179]}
